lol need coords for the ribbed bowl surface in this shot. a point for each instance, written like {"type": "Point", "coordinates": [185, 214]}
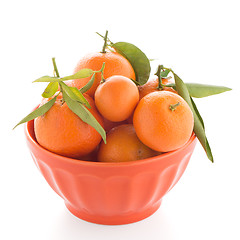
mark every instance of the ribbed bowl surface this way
{"type": "Point", "coordinates": [110, 193]}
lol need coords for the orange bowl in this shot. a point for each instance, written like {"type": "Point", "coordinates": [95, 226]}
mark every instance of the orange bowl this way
{"type": "Point", "coordinates": [110, 193]}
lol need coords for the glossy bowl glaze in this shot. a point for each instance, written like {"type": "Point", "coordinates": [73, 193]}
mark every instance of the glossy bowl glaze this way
{"type": "Point", "coordinates": [110, 193]}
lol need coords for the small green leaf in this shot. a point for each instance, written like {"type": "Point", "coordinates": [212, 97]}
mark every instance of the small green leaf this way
{"type": "Point", "coordinates": [88, 85]}
{"type": "Point", "coordinates": [83, 73]}
{"type": "Point", "coordinates": [203, 90]}
{"type": "Point", "coordinates": [137, 59]}
{"type": "Point", "coordinates": [50, 90]}
{"type": "Point", "coordinates": [82, 112]}
{"type": "Point", "coordinates": [198, 122]}
{"type": "Point", "coordinates": [38, 112]}
{"type": "Point", "coordinates": [74, 94]}
{"type": "Point", "coordinates": [165, 73]}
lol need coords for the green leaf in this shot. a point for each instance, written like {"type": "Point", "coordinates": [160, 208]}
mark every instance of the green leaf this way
{"type": "Point", "coordinates": [198, 122]}
{"type": "Point", "coordinates": [82, 112]}
{"type": "Point", "coordinates": [198, 90]}
{"type": "Point", "coordinates": [74, 94]}
{"type": "Point", "coordinates": [208, 149]}
{"type": "Point", "coordinates": [48, 79]}
{"type": "Point", "coordinates": [83, 73]}
{"type": "Point", "coordinates": [165, 73]}
{"type": "Point", "coordinates": [38, 112]}
{"type": "Point", "coordinates": [203, 90]}
{"type": "Point", "coordinates": [197, 112]}
{"type": "Point", "coordinates": [50, 90]}
{"type": "Point", "coordinates": [88, 85]}
{"type": "Point", "coordinates": [137, 59]}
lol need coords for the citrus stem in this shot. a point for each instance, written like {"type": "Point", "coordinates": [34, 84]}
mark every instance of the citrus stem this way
{"type": "Point", "coordinates": [105, 42]}
{"type": "Point", "coordinates": [55, 67]}
{"type": "Point", "coordinates": [109, 41]}
{"type": "Point", "coordinates": [102, 79]}
{"type": "Point", "coordinates": [158, 74]}
{"type": "Point", "coordinates": [174, 106]}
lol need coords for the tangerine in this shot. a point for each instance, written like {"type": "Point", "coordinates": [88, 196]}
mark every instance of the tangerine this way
{"type": "Point", "coordinates": [163, 121]}
{"type": "Point", "coordinates": [151, 86]}
{"type": "Point", "coordinates": [61, 131]}
{"type": "Point", "coordinates": [123, 145]}
{"type": "Point", "coordinates": [115, 64]}
{"type": "Point", "coordinates": [116, 98]}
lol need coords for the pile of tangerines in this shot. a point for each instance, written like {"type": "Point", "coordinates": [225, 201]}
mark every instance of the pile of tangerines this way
{"type": "Point", "coordinates": [130, 120]}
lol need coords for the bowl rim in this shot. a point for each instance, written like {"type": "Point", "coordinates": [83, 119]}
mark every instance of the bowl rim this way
{"type": "Point", "coordinates": [102, 164]}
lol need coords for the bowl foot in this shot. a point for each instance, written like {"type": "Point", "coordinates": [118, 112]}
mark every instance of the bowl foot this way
{"type": "Point", "coordinates": [114, 220]}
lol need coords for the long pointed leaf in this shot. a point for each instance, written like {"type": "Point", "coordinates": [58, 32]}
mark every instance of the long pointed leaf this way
{"type": "Point", "coordinates": [83, 73]}
{"type": "Point", "coordinates": [82, 112]}
{"type": "Point", "coordinates": [38, 112]}
{"type": "Point", "coordinates": [197, 112]}
{"type": "Point", "coordinates": [208, 149]}
{"type": "Point", "coordinates": [48, 79]}
{"type": "Point", "coordinates": [202, 90]}
{"type": "Point", "coordinates": [198, 122]}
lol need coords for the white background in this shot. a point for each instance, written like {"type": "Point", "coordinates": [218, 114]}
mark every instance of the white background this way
{"type": "Point", "coordinates": [198, 39]}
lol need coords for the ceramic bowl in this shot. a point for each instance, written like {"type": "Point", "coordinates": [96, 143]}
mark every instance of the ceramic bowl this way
{"type": "Point", "coordinates": [110, 193]}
